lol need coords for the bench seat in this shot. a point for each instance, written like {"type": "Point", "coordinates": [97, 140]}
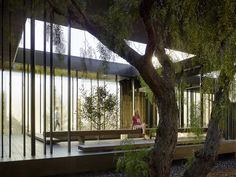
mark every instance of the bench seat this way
{"type": "Point", "coordinates": [82, 136]}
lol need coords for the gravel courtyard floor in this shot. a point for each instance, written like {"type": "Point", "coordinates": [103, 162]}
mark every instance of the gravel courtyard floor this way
{"type": "Point", "coordinates": [223, 173]}
{"type": "Point", "coordinates": [225, 167]}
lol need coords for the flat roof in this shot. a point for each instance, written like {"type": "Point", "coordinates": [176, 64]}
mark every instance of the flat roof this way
{"type": "Point", "coordinates": [80, 64]}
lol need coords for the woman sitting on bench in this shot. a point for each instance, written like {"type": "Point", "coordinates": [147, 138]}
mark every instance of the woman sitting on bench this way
{"type": "Point", "coordinates": [136, 122]}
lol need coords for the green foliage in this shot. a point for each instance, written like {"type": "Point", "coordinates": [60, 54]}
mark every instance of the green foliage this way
{"type": "Point", "coordinates": [204, 28]}
{"type": "Point", "coordinates": [99, 107]}
{"type": "Point", "coordinates": [120, 18]}
{"type": "Point", "coordinates": [232, 93]}
{"type": "Point", "coordinates": [80, 123]}
{"type": "Point", "coordinates": [134, 163]}
{"type": "Point", "coordinates": [190, 159]}
{"type": "Point", "coordinates": [195, 122]}
{"type": "Point", "coordinates": [57, 37]}
{"type": "Point", "coordinates": [105, 56]}
{"type": "Point", "coordinates": [121, 14]}
{"type": "Point", "coordinates": [149, 92]}
{"type": "Point", "coordinates": [196, 128]}
{"type": "Point", "coordinates": [152, 132]}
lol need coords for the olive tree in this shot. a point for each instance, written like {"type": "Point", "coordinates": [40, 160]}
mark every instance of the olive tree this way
{"type": "Point", "coordinates": [203, 28]}
{"type": "Point", "coordinates": [207, 27]}
{"type": "Point", "coordinates": [99, 108]}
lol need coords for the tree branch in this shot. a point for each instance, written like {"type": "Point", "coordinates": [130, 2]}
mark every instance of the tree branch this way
{"type": "Point", "coordinates": [155, 43]}
{"type": "Point", "coordinates": [145, 13]}
{"type": "Point", "coordinates": [168, 67]}
{"type": "Point", "coordinates": [55, 8]}
{"type": "Point", "coordinates": [156, 83]}
{"type": "Point", "coordinates": [100, 32]}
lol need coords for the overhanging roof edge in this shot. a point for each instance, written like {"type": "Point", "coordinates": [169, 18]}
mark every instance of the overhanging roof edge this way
{"type": "Point", "coordinates": [80, 64]}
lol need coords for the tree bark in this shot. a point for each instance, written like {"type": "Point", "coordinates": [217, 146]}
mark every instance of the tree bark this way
{"type": "Point", "coordinates": [162, 86]}
{"type": "Point", "coordinates": [205, 158]}
{"type": "Point", "coordinates": [166, 138]}
{"type": "Point", "coordinates": [166, 134]}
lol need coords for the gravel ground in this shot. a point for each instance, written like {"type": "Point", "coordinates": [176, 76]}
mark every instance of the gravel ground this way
{"type": "Point", "coordinates": [225, 167]}
{"type": "Point", "coordinates": [221, 165]}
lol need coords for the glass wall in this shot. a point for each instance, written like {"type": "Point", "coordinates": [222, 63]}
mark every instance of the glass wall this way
{"type": "Point", "coordinates": [194, 107]}
{"type": "Point", "coordinates": [80, 88]}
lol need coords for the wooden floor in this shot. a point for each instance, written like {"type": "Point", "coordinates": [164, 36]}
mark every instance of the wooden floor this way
{"type": "Point", "coordinates": [59, 149]}
{"type": "Point", "coordinates": [62, 162]}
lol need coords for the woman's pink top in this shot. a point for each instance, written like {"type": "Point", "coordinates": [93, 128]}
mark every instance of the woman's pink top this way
{"type": "Point", "coordinates": [136, 120]}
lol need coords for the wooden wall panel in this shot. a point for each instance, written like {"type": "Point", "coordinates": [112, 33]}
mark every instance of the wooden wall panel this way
{"type": "Point", "coordinates": [140, 104]}
{"type": "Point", "coordinates": [125, 103]}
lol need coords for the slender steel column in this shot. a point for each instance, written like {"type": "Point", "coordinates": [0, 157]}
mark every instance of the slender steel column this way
{"type": "Point", "coordinates": [192, 110]}
{"type": "Point", "coordinates": [2, 94]}
{"type": "Point", "coordinates": [51, 82]}
{"type": "Point", "coordinates": [104, 117]}
{"type": "Point", "coordinates": [91, 93]}
{"type": "Point", "coordinates": [54, 98]}
{"type": "Point", "coordinates": [195, 103]}
{"type": "Point", "coordinates": [117, 102]}
{"type": "Point", "coordinates": [182, 107]}
{"type": "Point", "coordinates": [132, 96]}
{"type": "Point", "coordinates": [97, 80]}
{"type": "Point", "coordinates": [10, 86]}
{"type": "Point", "coordinates": [179, 104]}
{"type": "Point", "coordinates": [22, 96]}
{"type": "Point", "coordinates": [61, 101]}
{"type": "Point", "coordinates": [23, 86]}
{"type": "Point", "coordinates": [44, 78]}
{"type": "Point", "coordinates": [209, 107]}
{"type": "Point", "coordinates": [227, 131]}
{"type": "Point", "coordinates": [32, 67]}
{"type": "Point", "coordinates": [69, 84]}
{"type": "Point", "coordinates": [40, 106]}
{"type": "Point", "coordinates": [187, 107]}
{"type": "Point", "coordinates": [72, 100]}
{"type": "Point", "coordinates": [77, 103]}
{"type": "Point", "coordinates": [28, 70]}
{"type": "Point", "coordinates": [201, 97]}
{"type": "Point", "coordinates": [98, 106]}
{"type": "Point", "coordinates": [91, 86]}
{"type": "Point", "coordinates": [121, 104]}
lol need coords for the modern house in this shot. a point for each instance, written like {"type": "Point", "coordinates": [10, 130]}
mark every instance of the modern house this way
{"type": "Point", "coordinates": [36, 77]}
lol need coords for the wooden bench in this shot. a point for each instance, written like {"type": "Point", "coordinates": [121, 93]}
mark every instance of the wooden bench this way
{"type": "Point", "coordinates": [82, 136]}
{"type": "Point", "coordinates": [136, 144]}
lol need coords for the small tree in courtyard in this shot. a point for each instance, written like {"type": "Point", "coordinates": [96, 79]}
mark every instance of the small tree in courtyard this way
{"type": "Point", "coordinates": [99, 108]}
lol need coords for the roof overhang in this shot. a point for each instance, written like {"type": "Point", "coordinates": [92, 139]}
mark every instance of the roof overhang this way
{"type": "Point", "coordinates": [79, 64]}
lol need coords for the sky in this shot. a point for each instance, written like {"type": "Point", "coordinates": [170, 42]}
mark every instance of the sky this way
{"type": "Point", "coordinates": [83, 44]}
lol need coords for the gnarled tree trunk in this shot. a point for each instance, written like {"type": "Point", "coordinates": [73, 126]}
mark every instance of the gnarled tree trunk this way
{"type": "Point", "coordinates": [166, 135]}
{"type": "Point", "coordinates": [162, 85]}
{"type": "Point", "coordinates": [166, 138]}
{"type": "Point", "coordinates": [205, 158]}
